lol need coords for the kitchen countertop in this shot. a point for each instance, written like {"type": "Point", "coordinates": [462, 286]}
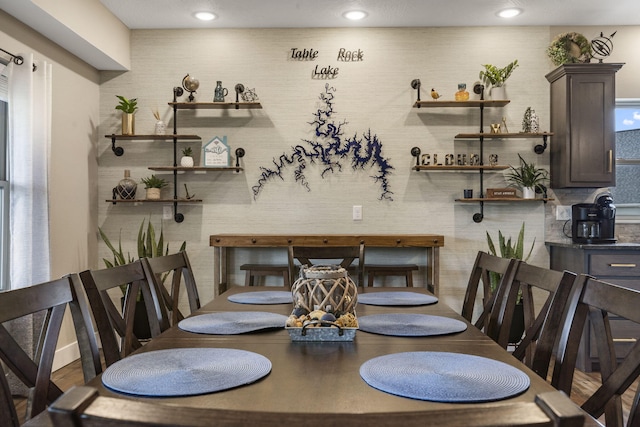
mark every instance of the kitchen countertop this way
{"type": "Point", "coordinates": [596, 246]}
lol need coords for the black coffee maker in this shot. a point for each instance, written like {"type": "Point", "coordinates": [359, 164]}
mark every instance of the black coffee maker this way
{"type": "Point", "coordinates": [594, 222]}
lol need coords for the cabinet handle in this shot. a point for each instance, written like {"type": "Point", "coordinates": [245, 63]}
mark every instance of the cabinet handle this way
{"type": "Point", "coordinates": [610, 161]}
{"type": "Point", "coordinates": [618, 265]}
{"type": "Point", "coordinates": [630, 340]}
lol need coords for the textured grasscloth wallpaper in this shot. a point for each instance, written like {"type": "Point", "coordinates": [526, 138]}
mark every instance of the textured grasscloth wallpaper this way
{"type": "Point", "coordinates": [371, 97]}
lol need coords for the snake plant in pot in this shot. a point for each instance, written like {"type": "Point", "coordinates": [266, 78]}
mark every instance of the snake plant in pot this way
{"type": "Point", "coordinates": [510, 249]}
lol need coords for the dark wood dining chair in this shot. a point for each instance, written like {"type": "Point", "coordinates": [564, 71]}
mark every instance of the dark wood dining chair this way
{"type": "Point", "coordinates": [480, 283]}
{"type": "Point", "coordinates": [174, 269]}
{"type": "Point", "coordinates": [83, 407]}
{"type": "Point", "coordinates": [115, 326]}
{"type": "Point", "coordinates": [599, 301]}
{"type": "Point", "coordinates": [542, 323]}
{"type": "Point", "coordinates": [52, 299]}
{"type": "Point", "coordinates": [344, 255]}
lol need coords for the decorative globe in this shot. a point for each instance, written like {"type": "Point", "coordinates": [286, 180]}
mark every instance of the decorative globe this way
{"type": "Point", "coordinates": [190, 84]}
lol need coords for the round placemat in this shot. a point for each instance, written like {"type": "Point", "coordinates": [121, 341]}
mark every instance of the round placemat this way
{"type": "Point", "coordinates": [262, 297]}
{"type": "Point", "coordinates": [232, 322]}
{"type": "Point", "coordinates": [410, 325]}
{"type": "Point", "coordinates": [185, 371]}
{"type": "Point", "coordinates": [396, 298]}
{"type": "Point", "coordinates": [444, 377]}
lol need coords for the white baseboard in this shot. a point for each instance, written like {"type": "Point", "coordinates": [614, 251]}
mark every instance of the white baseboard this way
{"type": "Point", "coordinates": [66, 355]}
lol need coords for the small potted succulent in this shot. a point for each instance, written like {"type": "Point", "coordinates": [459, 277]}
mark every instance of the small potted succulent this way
{"type": "Point", "coordinates": [528, 177]}
{"type": "Point", "coordinates": [128, 108]}
{"type": "Point", "coordinates": [496, 78]}
{"type": "Point", "coordinates": [187, 158]}
{"type": "Point", "coordinates": [153, 184]}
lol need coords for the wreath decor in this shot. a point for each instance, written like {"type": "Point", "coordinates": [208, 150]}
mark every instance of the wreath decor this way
{"type": "Point", "coordinates": [569, 48]}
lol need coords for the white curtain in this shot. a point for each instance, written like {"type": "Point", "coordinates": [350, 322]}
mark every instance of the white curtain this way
{"type": "Point", "coordinates": [29, 142]}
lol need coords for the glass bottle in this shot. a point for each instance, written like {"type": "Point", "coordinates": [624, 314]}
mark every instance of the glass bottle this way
{"type": "Point", "coordinates": [462, 94]}
{"type": "Point", "coordinates": [126, 188]}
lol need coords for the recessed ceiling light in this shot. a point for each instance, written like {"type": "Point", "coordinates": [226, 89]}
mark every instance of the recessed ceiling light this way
{"type": "Point", "coordinates": [509, 13]}
{"type": "Point", "coordinates": [355, 15]}
{"type": "Point", "coordinates": [205, 16]}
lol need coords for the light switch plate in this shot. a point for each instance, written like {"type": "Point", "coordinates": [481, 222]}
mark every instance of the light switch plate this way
{"type": "Point", "coordinates": [563, 213]}
{"type": "Point", "coordinates": [167, 212]}
{"type": "Point", "coordinates": [357, 213]}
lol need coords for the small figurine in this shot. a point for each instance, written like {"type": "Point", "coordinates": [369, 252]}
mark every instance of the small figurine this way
{"type": "Point", "coordinates": [435, 95]}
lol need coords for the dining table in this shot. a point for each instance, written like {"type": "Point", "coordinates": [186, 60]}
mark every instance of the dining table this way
{"type": "Point", "coordinates": [328, 376]}
{"type": "Point", "coordinates": [430, 244]}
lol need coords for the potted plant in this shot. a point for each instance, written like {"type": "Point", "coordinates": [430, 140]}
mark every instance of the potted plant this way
{"type": "Point", "coordinates": [187, 158]}
{"type": "Point", "coordinates": [148, 246]}
{"type": "Point", "coordinates": [528, 177]}
{"type": "Point", "coordinates": [153, 184]}
{"type": "Point", "coordinates": [510, 250]}
{"type": "Point", "coordinates": [496, 78]}
{"type": "Point", "coordinates": [128, 108]}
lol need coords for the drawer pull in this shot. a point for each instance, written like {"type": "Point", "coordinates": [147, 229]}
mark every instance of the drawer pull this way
{"type": "Point", "coordinates": [619, 265]}
{"type": "Point", "coordinates": [629, 340]}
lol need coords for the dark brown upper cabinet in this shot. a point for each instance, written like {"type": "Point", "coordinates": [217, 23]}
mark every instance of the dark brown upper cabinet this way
{"type": "Point", "coordinates": [583, 124]}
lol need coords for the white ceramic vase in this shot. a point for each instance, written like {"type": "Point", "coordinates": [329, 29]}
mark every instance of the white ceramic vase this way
{"type": "Point", "coordinates": [528, 193]}
{"type": "Point", "coordinates": [498, 92]}
{"type": "Point", "coordinates": [186, 161]}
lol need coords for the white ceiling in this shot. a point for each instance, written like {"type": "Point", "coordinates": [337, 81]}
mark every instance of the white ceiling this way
{"type": "Point", "coordinates": [165, 14]}
{"type": "Point", "coordinates": [155, 14]}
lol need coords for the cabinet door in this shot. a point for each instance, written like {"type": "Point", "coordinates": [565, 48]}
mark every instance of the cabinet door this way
{"type": "Point", "coordinates": [592, 104]}
{"type": "Point", "coordinates": [583, 123]}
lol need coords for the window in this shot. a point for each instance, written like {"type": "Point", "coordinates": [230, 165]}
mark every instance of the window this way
{"type": "Point", "coordinates": [626, 193]}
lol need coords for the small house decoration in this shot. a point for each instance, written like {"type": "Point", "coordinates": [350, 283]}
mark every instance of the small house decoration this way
{"type": "Point", "coordinates": [216, 153]}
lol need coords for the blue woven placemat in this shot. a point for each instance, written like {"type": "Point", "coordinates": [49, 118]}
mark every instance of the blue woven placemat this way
{"type": "Point", "coordinates": [262, 297]}
{"type": "Point", "coordinates": [232, 322]}
{"type": "Point", "coordinates": [410, 325]}
{"type": "Point", "coordinates": [185, 371]}
{"type": "Point", "coordinates": [444, 377]}
{"type": "Point", "coordinates": [396, 298]}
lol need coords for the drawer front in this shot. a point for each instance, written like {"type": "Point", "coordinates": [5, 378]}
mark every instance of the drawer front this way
{"type": "Point", "coordinates": [624, 265]}
{"type": "Point", "coordinates": [625, 334]}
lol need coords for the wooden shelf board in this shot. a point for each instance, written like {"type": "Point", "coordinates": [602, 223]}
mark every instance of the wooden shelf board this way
{"type": "Point", "coordinates": [154, 201]}
{"type": "Point", "coordinates": [215, 105]}
{"type": "Point", "coordinates": [504, 199]}
{"type": "Point", "coordinates": [460, 168]}
{"type": "Point", "coordinates": [504, 135]}
{"type": "Point", "coordinates": [195, 168]}
{"type": "Point", "coordinates": [472, 103]}
{"type": "Point", "coordinates": [158, 137]}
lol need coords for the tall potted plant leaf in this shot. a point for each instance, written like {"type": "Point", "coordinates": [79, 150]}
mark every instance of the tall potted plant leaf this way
{"type": "Point", "coordinates": [507, 249]}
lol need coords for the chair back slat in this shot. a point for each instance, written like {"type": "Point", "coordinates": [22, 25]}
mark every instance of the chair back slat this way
{"type": "Point", "coordinates": [50, 298]}
{"type": "Point", "coordinates": [345, 255]}
{"type": "Point", "coordinates": [480, 279]}
{"type": "Point", "coordinates": [115, 326]}
{"type": "Point", "coordinates": [542, 325]}
{"type": "Point", "coordinates": [597, 301]}
{"type": "Point", "coordinates": [87, 408]}
{"type": "Point", "coordinates": [178, 267]}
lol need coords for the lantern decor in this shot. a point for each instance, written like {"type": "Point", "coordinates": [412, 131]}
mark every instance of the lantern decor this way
{"type": "Point", "coordinates": [325, 299]}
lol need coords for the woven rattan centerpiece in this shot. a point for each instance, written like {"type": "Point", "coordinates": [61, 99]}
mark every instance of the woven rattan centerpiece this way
{"type": "Point", "coordinates": [320, 286]}
{"type": "Point", "coordinates": [324, 299]}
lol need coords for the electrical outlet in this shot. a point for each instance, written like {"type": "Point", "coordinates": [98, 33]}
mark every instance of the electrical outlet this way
{"type": "Point", "coordinates": [563, 213]}
{"type": "Point", "coordinates": [167, 212]}
{"type": "Point", "coordinates": [357, 213]}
